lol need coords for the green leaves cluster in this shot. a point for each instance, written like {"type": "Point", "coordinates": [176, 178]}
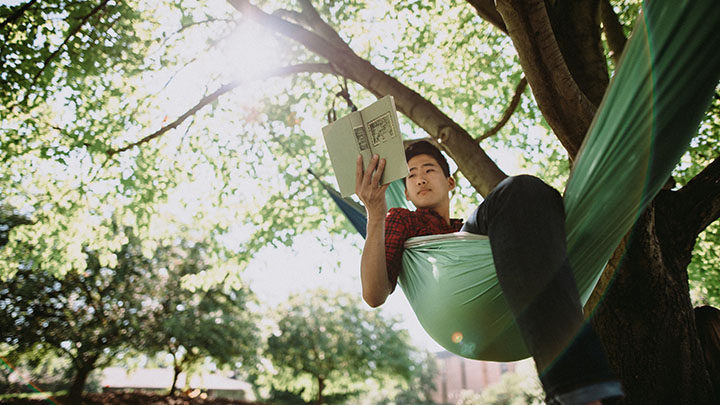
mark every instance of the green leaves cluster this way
{"type": "Point", "coordinates": [326, 343]}
{"type": "Point", "coordinates": [129, 302]}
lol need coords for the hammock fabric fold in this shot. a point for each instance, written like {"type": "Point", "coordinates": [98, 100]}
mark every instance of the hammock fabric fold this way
{"type": "Point", "coordinates": [650, 112]}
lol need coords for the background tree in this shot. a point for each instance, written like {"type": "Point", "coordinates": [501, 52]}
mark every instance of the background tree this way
{"type": "Point", "coordinates": [420, 388]}
{"type": "Point", "coordinates": [88, 316]}
{"type": "Point", "coordinates": [457, 71]}
{"type": "Point", "coordinates": [327, 343]}
{"type": "Point", "coordinates": [108, 309]}
{"type": "Point", "coordinates": [196, 324]}
{"type": "Point", "coordinates": [512, 389]}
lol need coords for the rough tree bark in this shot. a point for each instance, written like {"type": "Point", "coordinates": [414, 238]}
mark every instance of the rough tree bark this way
{"type": "Point", "coordinates": [565, 107]}
{"type": "Point", "coordinates": [645, 318]}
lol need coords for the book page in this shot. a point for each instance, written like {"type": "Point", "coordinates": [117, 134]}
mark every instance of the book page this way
{"type": "Point", "coordinates": [372, 130]}
{"type": "Point", "coordinates": [383, 131]}
{"type": "Point", "coordinates": [344, 145]}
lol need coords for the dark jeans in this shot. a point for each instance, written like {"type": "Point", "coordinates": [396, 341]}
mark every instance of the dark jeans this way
{"type": "Point", "coordinates": [525, 221]}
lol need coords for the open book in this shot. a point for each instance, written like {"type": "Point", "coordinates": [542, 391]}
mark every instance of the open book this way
{"type": "Point", "coordinates": [371, 130]}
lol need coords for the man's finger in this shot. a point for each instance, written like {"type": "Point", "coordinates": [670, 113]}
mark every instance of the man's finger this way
{"type": "Point", "coordinates": [358, 170]}
{"type": "Point", "coordinates": [370, 170]}
{"type": "Point", "coordinates": [377, 176]}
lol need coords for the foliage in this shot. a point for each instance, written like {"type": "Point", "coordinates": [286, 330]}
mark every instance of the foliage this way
{"type": "Point", "coordinates": [88, 316]}
{"type": "Point", "coordinates": [38, 370]}
{"type": "Point", "coordinates": [327, 341]}
{"type": "Point", "coordinates": [233, 153]}
{"type": "Point", "coordinates": [113, 307]}
{"type": "Point", "coordinates": [704, 270]}
{"type": "Point", "coordinates": [193, 325]}
{"type": "Point", "coordinates": [420, 387]}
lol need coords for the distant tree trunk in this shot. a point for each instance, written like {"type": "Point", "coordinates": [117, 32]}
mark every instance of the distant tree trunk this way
{"type": "Point", "coordinates": [177, 369]}
{"type": "Point", "coordinates": [78, 383]}
{"type": "Point", "coordinates": [321, 387]}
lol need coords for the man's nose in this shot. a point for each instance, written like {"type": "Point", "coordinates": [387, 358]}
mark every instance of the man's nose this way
{"type": "Point", "coordinates": [421, 180]}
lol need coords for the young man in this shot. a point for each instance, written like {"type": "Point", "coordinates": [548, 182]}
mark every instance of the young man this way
{"type": "Point", "coordinates": [525, 221]}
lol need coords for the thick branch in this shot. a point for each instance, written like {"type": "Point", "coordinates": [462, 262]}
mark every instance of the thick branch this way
{"type": "Point", "coordinates": [614, 31]}
{"type": "Point", "coordinates": [576, 29]}
{"type": "Point", "coordinates": [508, 112]}
{"type": "Point", "coordinates": [301, 68]}
{"type": "Point", "coordinates": [480, 170]}
{"type": "Point", "coordinates": [696, 205]}
{"type": "Point", "coordinates": [292, 15]}
{"type": "Point", "coordinates": [566, 109]}
{"type": "Point", "coordinates": [314, 42]}
{"type": "Point", "coordinates": [487, 11]}
{"type": "Point", "coordinates": [320, 26]}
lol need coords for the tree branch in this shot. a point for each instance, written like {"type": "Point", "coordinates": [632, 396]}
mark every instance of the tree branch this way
{"type": "Point", "coordinates": [576, 30]}
{"type": "Point", "coordinates": [614, 31]}
{"type": "Point", "coordinates": [696, 205]}
{"type": "Point", "coordinates": [292, 15]}
{"type": "Point", "coordinates": [508, 112]}
{"type": "Point", "coordinates": [301, 68]}
{"type": "Point", "coordinates": [487, 11]}
{"type": "Point", "coordinates": [71, 34]}
{"type": "Point", "coordinates": [565, 107]}
{"type": "Point", "coordinates": [320, 26]}
{"type": "Point", "coordinates": [314, 42]}
{"type": "Point", "coordinates": [17, 13]}
{"type": "Point", "coordinates": [480, 170]}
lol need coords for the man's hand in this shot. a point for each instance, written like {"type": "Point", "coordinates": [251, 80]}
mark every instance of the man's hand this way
{"type": "Point", "coordinates": [368, 187]}
{"type": "Point", "coordinates": [373, 269]}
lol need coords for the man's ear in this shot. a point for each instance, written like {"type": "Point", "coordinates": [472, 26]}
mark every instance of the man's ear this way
{"type": "Point", "coordinates": [407, 196]}
{"type": "Point", "coordinates": [451, 183]}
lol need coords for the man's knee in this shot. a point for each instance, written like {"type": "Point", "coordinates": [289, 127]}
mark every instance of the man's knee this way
{"type": "Point", "coordinates": [526, 186]}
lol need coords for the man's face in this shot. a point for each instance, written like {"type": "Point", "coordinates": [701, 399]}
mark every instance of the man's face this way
{"type": "Point", "coordinates": [426, 185]}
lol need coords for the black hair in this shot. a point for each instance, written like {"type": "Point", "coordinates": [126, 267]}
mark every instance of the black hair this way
{"type": "Point", "coordinates": [426, 148]}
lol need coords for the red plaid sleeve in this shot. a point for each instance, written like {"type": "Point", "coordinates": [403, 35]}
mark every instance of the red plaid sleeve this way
{"type": "Point", "coordinates": [397, 231]}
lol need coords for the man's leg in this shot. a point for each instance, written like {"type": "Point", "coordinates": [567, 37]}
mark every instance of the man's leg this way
{"type": "Point", "coordinates": [525, 221]}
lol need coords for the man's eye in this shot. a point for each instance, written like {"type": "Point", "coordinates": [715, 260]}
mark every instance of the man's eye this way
{"type": "Point", "coordinates": [411, 176]}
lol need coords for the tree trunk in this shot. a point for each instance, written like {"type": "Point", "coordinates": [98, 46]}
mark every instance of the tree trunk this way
{"type": "Point", "coordinates": [176, 372]}
{"type": "Point", "coordinates": [78, 384]}
{"type": "Point", "coordinates": [646, 323]}
{"type": "Point", "coordinates": [321, 387]}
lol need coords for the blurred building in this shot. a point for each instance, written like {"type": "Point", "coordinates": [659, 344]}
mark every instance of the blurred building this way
{"type": "Point", "coordinates": [456, 374]}
{"type": "Point", "coordinates": [160, 380]}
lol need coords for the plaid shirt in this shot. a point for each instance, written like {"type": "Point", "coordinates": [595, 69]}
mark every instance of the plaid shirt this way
{"type": "Point", "coordinates": [402, 224]}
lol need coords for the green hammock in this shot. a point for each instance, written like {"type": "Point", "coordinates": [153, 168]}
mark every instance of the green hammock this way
{"type": "Point", "coordinates": [652, 109]}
